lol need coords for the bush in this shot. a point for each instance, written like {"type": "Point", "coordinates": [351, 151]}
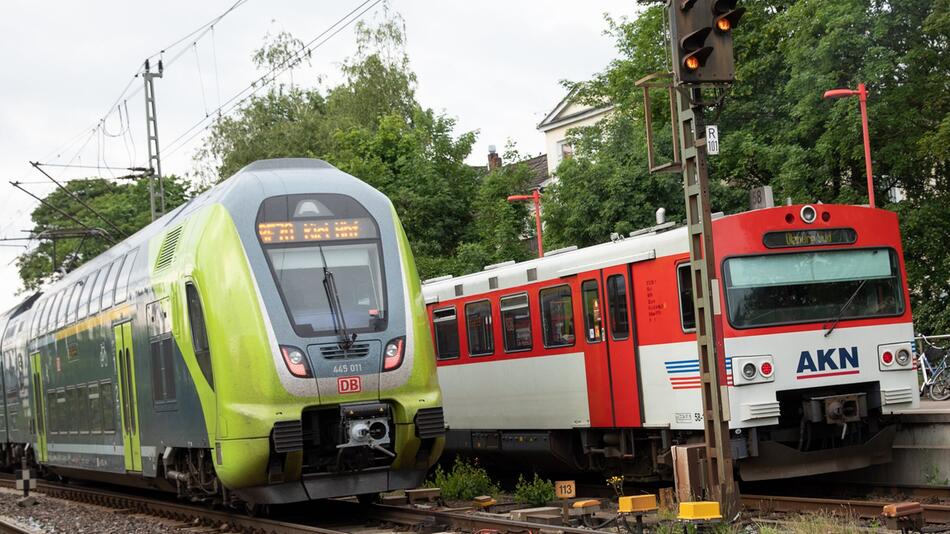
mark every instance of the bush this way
{"type": "Point", "coordinates": [538, 492]}
{"type": "Point", "coordinates": [464, 482]}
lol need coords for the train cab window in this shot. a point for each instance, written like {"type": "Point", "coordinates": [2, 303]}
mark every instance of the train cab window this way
{"type": "Point", "coordinates": [108, 291]}
{"type": "Point", "coordinates": [107, 399]}
{"type": "Point", "coordinates": [617, 304]}
{"type": "Point", "coordinates": [446, 327]}
{"type": "Point", "coordinates": [199, 337]}
{"type": "Point", "coordinates": [122, 284]}
{"type": "Point", "coordinates": [557, 316]}
{"type": "Point", "coordinates": [95, 409]}
{"type": "Point", "coordinates": [593, 310]}
{"type": "Point", "coordinates": [516, 323]}
{"type": "Point", "coordinates": [95, 299]}
{"type": "Point", "coordinates": [687, 310]}
{"type": "Point", "coordinates": [478, 326]}
{"type": "Point", "coordinates": [86, 294]}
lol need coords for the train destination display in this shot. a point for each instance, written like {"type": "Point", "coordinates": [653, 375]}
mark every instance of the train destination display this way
{"type": "Point", "coordinates": [319, 230]}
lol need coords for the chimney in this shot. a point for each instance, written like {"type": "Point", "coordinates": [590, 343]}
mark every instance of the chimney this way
{"type": "Point", "coordinates": [494, 160]}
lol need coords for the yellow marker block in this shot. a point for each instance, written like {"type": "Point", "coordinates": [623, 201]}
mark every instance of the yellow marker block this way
{"type": "Point", "coordinates": [637, 504]}
{"type": "Point", "coordinates": [588, 503]}
{"type": "Point", "coordinates": [699, 510]}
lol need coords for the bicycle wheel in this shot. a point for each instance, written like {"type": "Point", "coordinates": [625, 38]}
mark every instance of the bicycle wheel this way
{"type": "Point", "coordinates": [940, 387]}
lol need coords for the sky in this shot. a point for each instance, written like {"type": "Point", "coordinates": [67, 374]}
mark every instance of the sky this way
{"type": "Point", "coordinates": [495, 66]}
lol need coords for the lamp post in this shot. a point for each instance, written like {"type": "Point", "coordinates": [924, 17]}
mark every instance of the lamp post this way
{"type": "Point", "coordinates": [862, 95]}
{"type": "Point", "coordinates": [535, 197]}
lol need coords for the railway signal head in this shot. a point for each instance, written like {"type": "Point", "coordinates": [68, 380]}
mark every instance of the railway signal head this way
{"type": "Point", "coordinates": [701, 33]}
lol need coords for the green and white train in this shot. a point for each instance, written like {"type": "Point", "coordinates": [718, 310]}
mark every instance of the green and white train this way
{"type": "Point", "coordinates": [266, 342]}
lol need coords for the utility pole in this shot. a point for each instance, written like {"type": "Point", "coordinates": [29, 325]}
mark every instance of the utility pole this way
{"type": "Point", "coordinates": [701, 46]}
{"type": "Point", "coordinates": [151, 126]}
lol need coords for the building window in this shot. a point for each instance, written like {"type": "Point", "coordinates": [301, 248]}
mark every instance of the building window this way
{"type": "Point", "coordinates": [446, 327]}
{"type": "Point", "coordinates": [557, 316]}
{"type": "Point", "coordinates": [617, 302]}
{"type": "Point", "coordinates": [516, 322]}
{"type": "Point", "coordinates": [478, 325]}
{"type": "Point", "coordinates": [687, 311]}
{"type": "Point", "coordinates": [565, 150]}
{"type": "Point", "coordinates": [593, 318]}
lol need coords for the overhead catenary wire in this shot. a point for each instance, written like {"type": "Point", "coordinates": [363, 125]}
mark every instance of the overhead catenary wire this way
{"type": "Point", "coordinates": [240, 97]}
{"type": "Point", "coordinates": [60, 211]}
{"type": "Point", "coordinates": [102, 217]}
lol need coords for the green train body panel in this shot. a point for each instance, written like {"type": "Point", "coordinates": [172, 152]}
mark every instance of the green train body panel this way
{"type": "Point", "coordinates": [175, 401]}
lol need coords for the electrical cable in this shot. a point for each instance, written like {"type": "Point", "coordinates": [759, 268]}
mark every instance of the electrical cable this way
{"type": "Point", "coordinates": [261, 82]}
{"type": "Point", "coordinates": [201, 78]}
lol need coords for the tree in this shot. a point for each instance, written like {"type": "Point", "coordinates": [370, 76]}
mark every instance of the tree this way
{"type": "Point", "coordinates": [126, 205]}
{"type": "Point", "coordinates": [777, 130]}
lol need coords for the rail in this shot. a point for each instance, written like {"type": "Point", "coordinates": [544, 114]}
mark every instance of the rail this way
{"type": "Point", "coordinates": [933, 513]}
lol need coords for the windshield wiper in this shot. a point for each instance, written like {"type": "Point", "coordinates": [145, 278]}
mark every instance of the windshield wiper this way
{"type": "Point", "coordinates": [336, 309]}
{"type": "Point", "coordinates": [845, 307]}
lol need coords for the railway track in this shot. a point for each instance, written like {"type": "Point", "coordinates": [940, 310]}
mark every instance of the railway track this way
{"type": "Point", "coordinates": [933, 513]}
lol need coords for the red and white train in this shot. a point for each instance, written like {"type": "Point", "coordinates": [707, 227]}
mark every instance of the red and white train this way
{"type": "Point", "coordinates": [587, 357]}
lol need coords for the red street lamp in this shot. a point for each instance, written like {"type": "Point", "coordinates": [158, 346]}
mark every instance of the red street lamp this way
{"type": "Point", "coordinates": [535, 197]}
{"type": "Point", "coordinates": [862, 95]}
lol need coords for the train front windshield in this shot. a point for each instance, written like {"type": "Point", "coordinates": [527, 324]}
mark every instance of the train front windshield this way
{"type": "Point", "coordinates": [805, 287]}
{"type": "Point", "coordinates": [312, 239]}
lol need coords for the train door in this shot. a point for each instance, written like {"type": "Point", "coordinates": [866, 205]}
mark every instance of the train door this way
{"type": "Point", "coordinates": [39, 414]}
{"type": "Point", "coordinates": [125, 371]}
{"type": "Point", "coordinates": [622, 347]}
{"type": "Point", "coordinates": [596, 356]}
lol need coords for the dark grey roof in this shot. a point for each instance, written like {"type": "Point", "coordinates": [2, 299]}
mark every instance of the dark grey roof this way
{"type": "Point", "coordinates": [539, 170]}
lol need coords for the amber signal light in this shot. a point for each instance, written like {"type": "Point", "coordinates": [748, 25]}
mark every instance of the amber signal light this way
{"type": "Point", "coordinates": [723, 25]}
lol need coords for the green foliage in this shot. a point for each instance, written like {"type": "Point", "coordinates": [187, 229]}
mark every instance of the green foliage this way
{"type": "Point", "coordinates": [777, 130]}
{"type": "Point", "coordinates": [464, 482]}
{"type": "Point", "coordinates": [536, 492]}
{"type": "Point", "coordinates": [125, 204]}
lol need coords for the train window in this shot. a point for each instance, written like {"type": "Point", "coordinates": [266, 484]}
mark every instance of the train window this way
{"type": "Point", "coordinates": [108, 291]}
{"type": "Point", "coordinates": [687, 310]}
{"type": "Point", "coordinates": [43, 327]}
{"type": "Point", "coordinates": [199, 333]}
{"type": "Point", "coordinates": [122, 286]}
{"type": "Point", "coordinates": [557, 316]}
{"type": "Point", "coordinates": [446, 327]}
{"type": "Point", "coordinates": [95, 408]}
{"type": "Point", "coordinates": [51, 411]}
{"type": "Point", "coordinates": [593, 318]}
{"type": "Point", "coordinates": [163, 371]}
{"type": "Point", "coordinates": [37, 316]}
{"type": "Point", "coordinates": [516, 322]}
{"type": "Point", "coordinates": [62, 314]}
{"type": "Point", "coordinates": [478, 325]}
{"type": "Point", "coordinates": [73, 305]}
{"type": "Point", "coordinates": [86, 293]}
{"type": "Point", "coordinates": [107, 399]}
{"type": "Point", "coordinates": [54, 314]}
{"type": "Point", "coordinates": [617, 304]}
{"type": "Point", "coordinates": [96, 298]}
{"type": "Point", "coordinates": [62, 416]}
{"type": "Point", "coordinates": [73, 409]}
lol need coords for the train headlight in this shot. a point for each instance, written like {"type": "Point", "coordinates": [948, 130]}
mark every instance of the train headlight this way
{"type": "Point", "coordinates": [808, 214]}
{"type": "Point", "coordinates": [393, 355]}
{"type": "Point", "coordinates": [296, 361]}
{"type": "Point", "coordinates": [748, 371]}
{"type": "Point", "coordinates": [902, 357]}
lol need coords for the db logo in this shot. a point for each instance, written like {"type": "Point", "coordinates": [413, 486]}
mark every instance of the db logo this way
{"type": "Point", "coordinates": [349, 384]}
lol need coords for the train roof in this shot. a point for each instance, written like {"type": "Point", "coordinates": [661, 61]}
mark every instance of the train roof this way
{"type": "Point", "coordinates": [661, 240]}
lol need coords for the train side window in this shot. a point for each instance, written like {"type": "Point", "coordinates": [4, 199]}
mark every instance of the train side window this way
{"type": "Point", "coordinates": [73, 306]}
{"type": "Point", "coordinates": [107, 398]}
{"type": "Point", "coordinates": [56, 314]}
{"type": "Point", "coordinates": [95, 409]}
{"type": "Point", "coordinates": [199, 333]}
{"type": "Point", "coordinates": [86, 294]}
{"type": "Point", "coordinates": [557, 316]}
{"type": "Point", "coordinates": [163, 371]}
{"type": "Point", "coordinates": [96, 299]}
{"type": "Point", "coordinates": [687, 311]}
{"type": "Point", "coordinates": [37, 318]}
{"type": "Point", "coordinates": [516, 322]}
{"type": "Point", "coordinates": [617, 304]}
{"type": "Point", "coordinates": [62, 417]}
{"type": "Point", "coordinates": [122, 286]}
{"type": "Point", "coordinates": [51, 410]}
{"type": "Point", "coordinates": [73, 409]}
{"type": "Point", "coordinates": [478, 326]}
{"type": "Point", "coordinates": [63, 314]}
{"type": "Point", "coordinates": [108, 291]}
{"type": "Point", "coordinates": [446, 327]}
{"type": "Point", "coordinates": [593, 318]}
